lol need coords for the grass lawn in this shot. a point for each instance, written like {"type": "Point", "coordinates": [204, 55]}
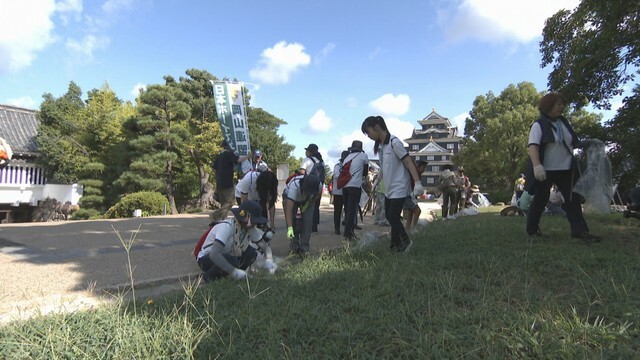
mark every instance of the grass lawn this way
{"type": "Point", "coordinates": [475, 287]}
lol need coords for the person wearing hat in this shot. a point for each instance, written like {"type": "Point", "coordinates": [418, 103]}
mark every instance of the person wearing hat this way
{"type": "Point", "coordinates": [352, 190]}
{"type": "Point", "coordinates": [313, 159]}
{"type": "Point", "coordinates": [227, 250]}
{"type": "Point", "coordinates": [224, 165]}
{"type": "Point", "coordinates": [254, 163]}
{"type": "Point", "coordinates": [301, 193]}
{"type": "Point", "coordinates": [338, 198]}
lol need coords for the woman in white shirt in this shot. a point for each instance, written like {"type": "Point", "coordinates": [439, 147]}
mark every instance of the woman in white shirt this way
{"type": "Point", "coordinates": [399, 174]}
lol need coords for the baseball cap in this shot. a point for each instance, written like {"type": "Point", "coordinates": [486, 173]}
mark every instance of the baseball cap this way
{"type": "Point", "coordinates": [250, 208]}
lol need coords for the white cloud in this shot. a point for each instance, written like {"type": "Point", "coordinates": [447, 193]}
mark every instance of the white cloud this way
{"type": "Point", "coordinates": [69, 8]}
{"type": "Point", "coordinates": [324, 53]}
{"type": "Point", "coordinates": [352, 102]}
{"type": "Point", "coordinates": [279, 62]}
{"type": "Point", "coordinates": [137, 88]}
{"type": "Point", "coordinates": [112, 6]}
{"type": "Point", "coordinates": [389, 104]}
{"type": "Point", "coordinates": [459, 121]}
{"type": "Point", "coordinates": [26, 28]}
{"type": "Point", "coordinates": [24, 102]}
{"type": "Point", "coordinates": [500, 20]}
{"type": "Point", "coordinates": [83, 50]}
{"type": "Point", "coordinates": [320, 122]}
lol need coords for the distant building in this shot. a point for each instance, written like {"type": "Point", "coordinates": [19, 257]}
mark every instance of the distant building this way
{"type": "Point", "coordinates": [436, 142]}
{"type": "Point", "coordinates": [22, 182]}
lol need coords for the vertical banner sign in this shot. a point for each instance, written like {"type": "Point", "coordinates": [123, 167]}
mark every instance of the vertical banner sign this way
{"type": "Point", "coordinates": [229, 100]}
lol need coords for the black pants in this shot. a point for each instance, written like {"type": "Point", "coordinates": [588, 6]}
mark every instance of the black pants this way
{"type": "Point", "coordinates": [393, 210]}
{"type": "Point", "coordinates": [572, 202]}
{"type": "Point", "coordinates": [449, 204]}
{"type": "Point", "coordinates": [316, 215]}
{"type": "Point", "coordinates": [338, 204]}
{"type": "Point", "coordinates": [213, 272]}
{"type": "Point", "coordinates": [351, 206]}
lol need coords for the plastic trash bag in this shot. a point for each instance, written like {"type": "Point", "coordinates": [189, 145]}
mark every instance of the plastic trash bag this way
{"type": "Point", "coordinates": [596, 183]}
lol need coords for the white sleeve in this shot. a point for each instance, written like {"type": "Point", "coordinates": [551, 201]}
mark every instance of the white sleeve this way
{"type": "Point", "coordinates": [398, 148]}
{"type": "Point", "coordinates": [244, 185]}
{"type": "Point", "coordinates": [535, 134]}
{"type": "Point", "coordinates": [306, 164]}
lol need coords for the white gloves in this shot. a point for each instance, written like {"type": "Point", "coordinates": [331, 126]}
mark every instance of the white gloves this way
{"type": "Point", "coordinates": [270, 266]}
{"type": "Point", "coordinates": [238, 274]}
{"type": "Point", "coordinates": [418, 190]}
{"type": "Point", "coordinates": [539, 173]}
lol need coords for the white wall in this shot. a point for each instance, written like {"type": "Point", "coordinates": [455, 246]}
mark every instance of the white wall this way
{"type": "Point", "coordinates": [31, 194]}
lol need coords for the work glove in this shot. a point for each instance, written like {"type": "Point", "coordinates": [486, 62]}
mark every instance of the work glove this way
{"type": "Point", "coordinates": [418, 190]}
{"type": "Point", "coordinates": [238, 274]}
{"type": "Point", "coordinates": [290, 233]}
{"type": "Point", "coordinates": [270, 266]}
{"type": "Point", "coordinates": [539, 173]}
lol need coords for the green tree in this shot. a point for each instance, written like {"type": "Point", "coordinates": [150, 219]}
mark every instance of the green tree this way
{"type": "Point", "coordinates": [495, 143]}
{"type": "Point", "coordinates": [594, 52]}
{"type": "Point", "coordinates": [263, 133]}
{"type": "Point", "coordinates": [60, 135]}
{"type": "Point", "coordinates": [160, 131]}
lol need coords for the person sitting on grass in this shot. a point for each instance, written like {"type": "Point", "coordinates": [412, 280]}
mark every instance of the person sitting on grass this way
{"type": "Point", "coordinates": [411, 209]}
{"type": "Point", "coordinates": [226, 250]}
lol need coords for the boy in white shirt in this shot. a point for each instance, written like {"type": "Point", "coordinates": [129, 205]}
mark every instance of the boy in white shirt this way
{"type": "Point", "coordinates": [226, 251]}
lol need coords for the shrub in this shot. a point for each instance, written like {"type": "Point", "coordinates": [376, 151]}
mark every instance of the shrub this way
{"type": "Point", "coordinates": [151, 203]}
{"type": "Point", "coordinates": [85, 214]}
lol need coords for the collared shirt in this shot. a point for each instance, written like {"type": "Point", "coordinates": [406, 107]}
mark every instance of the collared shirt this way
{"type": "Point", "coordinates": [358, 162]}
{"type": "Point", "coordinates": [230, 234]}
{"type": "Point", "coordinates": [293, 192]}
{"type": "Point", "coordinates": [396, 177]}
{"type": "Point", "coordinates": [336, 173]}
{"type": "Point", "coordinates": [248, 185]}
{"type": "Point", "coordinates": [308, 162]}
{"type": "Point", "coordinates": [556, 154]}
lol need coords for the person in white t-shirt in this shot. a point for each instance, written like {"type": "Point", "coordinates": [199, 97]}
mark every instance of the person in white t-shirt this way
{"type": "Point", "coordinates": [247, 187]}
{"type": "Point", "coordinates": [227, 251]}
{"type": "Point", "coordinates": [359, 169]}
{"type": "Point", "coordinates": [399, 174]}
{"type": "Point", "coordinates": [551, 144]}
{"type": "Point", "coordinates": [301, 192]}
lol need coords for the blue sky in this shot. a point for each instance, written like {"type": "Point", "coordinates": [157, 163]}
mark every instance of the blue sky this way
{"type": "Point", "coordinates": [322, 66]}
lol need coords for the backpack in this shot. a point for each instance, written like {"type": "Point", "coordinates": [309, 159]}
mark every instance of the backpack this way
{"type": "Point", "coordinates": [345, 175]}
{"type": "Point", "coordinates": [318, 169]}
{"type": "Point", "coordinates": [196, 250]}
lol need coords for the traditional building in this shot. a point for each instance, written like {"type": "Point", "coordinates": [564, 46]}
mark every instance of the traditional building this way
{"type": "Point", "coordinates": [22, 182]}
{"type": "Point", "coordinates": [436, 142]}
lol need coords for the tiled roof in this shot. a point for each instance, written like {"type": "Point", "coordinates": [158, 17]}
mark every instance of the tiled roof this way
{"type": "Point", "coordinates": [19, 128]}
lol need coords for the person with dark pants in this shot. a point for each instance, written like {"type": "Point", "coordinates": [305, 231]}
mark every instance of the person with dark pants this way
{"type": "Point", "coordinates": [300, 193]}
{"type": "Point", "coordinates": [338, 198]}
{"type": "Point", "coordinates": [224, 165]}
{"type": "Point", "coordinates": [352, 191]}
{"type": "Point", "coordinates": [551, 143]}
{"type": "Point", "coordinates": [312, 158]}
{"type": "Point", "coordinates": [448, 187]}
{"type": "Point", "coordinates": [398, 173]}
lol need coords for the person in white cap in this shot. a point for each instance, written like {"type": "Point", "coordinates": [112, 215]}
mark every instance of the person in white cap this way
{"type": "Point", "coordinates": [226, 250]}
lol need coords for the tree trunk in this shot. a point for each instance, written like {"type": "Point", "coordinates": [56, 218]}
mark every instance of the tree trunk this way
{"type": "Point", "coordinates": [170, 195]}
{"type": "Point", "coordinates": [206, 188]}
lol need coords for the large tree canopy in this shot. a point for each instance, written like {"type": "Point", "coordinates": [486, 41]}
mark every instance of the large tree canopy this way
{"type": "Point", "coordinates": [594, 51]}
{"type": "Point", "coordinates": [495, 144]}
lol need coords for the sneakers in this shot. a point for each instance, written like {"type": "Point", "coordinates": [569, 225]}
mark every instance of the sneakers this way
{"type": "Point", "coordinates": [588, 238]}
{"type": "Point", "coordinates": [452, 217]}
